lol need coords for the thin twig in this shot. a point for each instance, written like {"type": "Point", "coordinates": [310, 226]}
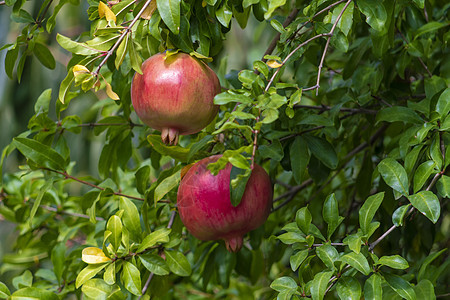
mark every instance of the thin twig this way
{"type": "Point", "coordinates": [275, 40]}
{"type": "Point", "coordinates": [149, 279]}
{"type": "Point", "coordinates": [125, 33]}
{"type": "Point", "coordinates": [420, 59]}
{"type": "Point", "coordinates": [330, 34]}
{"type": "Point", "coordinates": [67, 176]}
{"type": "Point", "coordinates": [343, 109]}
{"type": "Point", "coordinates": [54, 209]}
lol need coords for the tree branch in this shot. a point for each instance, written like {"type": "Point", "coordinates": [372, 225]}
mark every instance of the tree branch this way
{"type": "Point", "coordinates": [420, 59]}
{"type": "Point", "coordinates": [124, 34]}
{"type": "Point", "coordinates": [328, 44]}
{"type": "Point", "coordinates": [54, 209]}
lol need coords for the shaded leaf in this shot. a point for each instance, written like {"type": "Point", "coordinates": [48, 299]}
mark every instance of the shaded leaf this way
{"type": "Point", "coordinates": [368, 210]}
{"type": "Point", "coordinates": [402, 287]}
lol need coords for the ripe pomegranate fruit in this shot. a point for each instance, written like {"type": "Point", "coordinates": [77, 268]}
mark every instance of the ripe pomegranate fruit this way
{"type": "Point", "coordinates": [205, 208]}
{"type": "Point", "coordinates": [175, 95]}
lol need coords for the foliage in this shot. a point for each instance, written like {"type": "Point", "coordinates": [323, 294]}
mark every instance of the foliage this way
{"type": "Point", "coordinates": [348, 111]}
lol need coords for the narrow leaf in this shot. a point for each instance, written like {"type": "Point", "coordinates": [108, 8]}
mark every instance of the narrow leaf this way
{"type": "Point", "coordinates": [368, 210]}
{"type": "Point", "coordinates": [158, 236]}
{"type": "Point", "coordinates": [319, 285]}
{"type": "Point", "coordinates": [178, 263]}
{"type": "Point", "coordinates": [88, 272]}
{"type": "Point", "coordinates": [394, 261]}
{"type": "Point", "coordinates": [169, 11]}
{"type": "Point", "coordinates": [348, 288]}
{"type": "Point", "coordinates": [402, 287]}
{"type": "Point", "coordinates": [41, 154]}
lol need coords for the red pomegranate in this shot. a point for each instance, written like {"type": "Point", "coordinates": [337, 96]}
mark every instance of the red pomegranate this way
{"type": "Point", "coordinates": [205, 208]}
{"type": "Point", "coordinates": [175, 95]}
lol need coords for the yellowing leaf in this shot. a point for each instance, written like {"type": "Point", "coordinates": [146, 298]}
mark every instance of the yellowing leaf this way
{"type": "Point", "coordinates": [274, 64]}
{"type": "Point", "coordinates": [79, 69]}
{"type": "Point", "coordinates": [110, 92]}
{"type": "Point", "coordinates": [148, 12]}
{"type": "Point", "coordinates": [93, 255]}
{"type": "Point", "coordinates": [104, 11]}
{"type": "Point", "coordinates": [204, 3]}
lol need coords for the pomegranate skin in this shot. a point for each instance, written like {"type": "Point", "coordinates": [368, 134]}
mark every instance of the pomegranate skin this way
{"type": "Point", "coordinates": [205, 209]}
{"type": "Point", "coordinates": [175, 95]}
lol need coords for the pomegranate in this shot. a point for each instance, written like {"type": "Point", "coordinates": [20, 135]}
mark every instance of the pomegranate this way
{"type": "Point", "coordinates": [175, 95]}
{"type": "Point", "coordinates": [205, 208]}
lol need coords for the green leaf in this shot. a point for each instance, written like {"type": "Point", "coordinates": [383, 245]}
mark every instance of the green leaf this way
{"type": "Point", "coordinates": [157, 236]}
{"type": "Point", "coordinates": [75, 47]}
{"type": "Point", "coordinates": [319, 285]}
{"type": "Point", "coordinates": [328, 255]}
{"type": "Point", "coordinates": [289, 238]}
{"type": "Point", "coordinates": [372, 288]}
{"type": "Point", "coordinates": [428, 204]}
{"type": "Point", "coordinates": [299, 155]}
{"type": "Point", "coordinates": [121, 51]}
{"type": "Point", "coordinates": [43, 102]}
{"type": "Point", "coordinates": [354, 242]}
{"type": "Point", "coordinates": [131, 278]}
{"type": "Point", "coordinates": [368, 210]}
{"type": "Point", "coordinates": [443, 104]}
{"type": "Point", "coordinates": [273, 4]}
{"type": "Point", "coordinates": [430, 258]}
{"type": "Point", "coordinates": [323, 150]}
{"type": "Point", "coordinates": [297, 259]}
{"type": "Point", "coordinates": [110, 274]}
{"type": "Point", "coordinates": [44, 55]}
{"type": "Point", "coordinates": [154, 264]}
{"type": "Point", "coordinates": [96, 289]}
{"type": "Point", "coordinates": [226, 97]}
{"type": "Point", "coordinates": [273, 151]}
{"type": "Point", "coordinates": [394, 261]}
{"type": "Point", "coordinates": [224, 14]}
{"type": "Point", "coordinates": [348, 288]}
{"type": "Point", "coordinates": [238, 181]}
{"type": "Point", "coordinates": [400, 286]}
{"type": "Point", "coordinates": [261, 67]}
{"type": "Point", "coordinates": [33, 293]}
{"type": "Point", "coordinates": [178, 263]}
{"type": "Point", "coordinates": [4, 291]}
{"type": "Point", "coordinates": [422, 174]}
{"type": "Point", "coordinates": [176, 152]}
{"type": "Point", "coordinates": [167, 185]}
{"type": "Point", "coordinates": [130, 217]}
{"type": "Point", "coordinates": [419, 3]}
{"type": "Point", "coordinates": [88, 272]}
{"type": "Point", "coordinates": [41, 154]}
{"type": "Point", "coordinates": [58, 259]}
{"type": "Point", "coordinates": [394, 175]}
{"type": "Point", "coordinates": [429, 27]}
{"type": "Point", "coordinates": [142, 179]}
{"type": "Point", "coordinates": [10, 61]}
{"type": "Point", "coordinates": [330, 213]}
{"type": "Point", "coordinates": [196, 147]}
{"type": "Point", "coordinates": [170, 13]}
{"type": "Point", "coordinates": [399, 114]}
{"type": "Point", "coordinates": [399, 215]}
{"type": "Point", "coordinates": [443, 186]}
{"type": "Point", "coordinates": [357, 261]}
{"type": "Point", "coordinates": [283, 283]}
{"type": "Point", "coordinates": [425, 290]}
{"type": "Point", "coordinates": [303, 219]}
{"type": "Point", "coordinates": [376, 15]}
{"type": "Point", "coordinates": [115, 226]}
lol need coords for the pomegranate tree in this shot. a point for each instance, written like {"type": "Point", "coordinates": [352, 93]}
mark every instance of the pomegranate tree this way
{"type": "Point", "coordinates": [205, 208]}
{"type": "Point", "coordinates": [175, 95]}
